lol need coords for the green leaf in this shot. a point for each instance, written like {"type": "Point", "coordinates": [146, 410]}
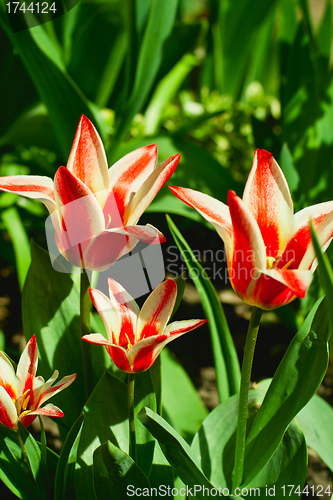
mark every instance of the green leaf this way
{"type": "Point", "coordinates": [294, 383]}
{"type": "Point", "coordinates": [36, 463]}
{"type": "Point", "coordinates": [64, 480]}
{"type": "Point", "coordinates": [166, 90]}
{"type": "Point", "coordinates": [287, 165]}
{"type": "Point", "coordinates": [325, 273]}
{"type": "Point", "coordinates": [159, 26]}
{"type": "Point", "coordinates": [235, 18]}
{"type": "Point", "coordinates": [181, 282]}
{"type": "Point", "coordinates": [144, 396]}
{"type": "Point", "coordinates": [176, 450]}
{"type": "Point", "coordinates": [105, 418]}
{"type": "Point", "coordinates": [225, 355]}
{"type": "Point", "coordinates": [177, 387]}
{"type": "Point", "coordinates": [214, 445]}
{"type": "Point", "coordinates": [64, 101]}
{"type": "Point", "coordinates": [13, 469]}
{"type": "Point", "coordinates": [115, 471]}
{"type": "Point", "coordinates": [13, 223]}
{"type": "Point", "coordinates": [315, 421]}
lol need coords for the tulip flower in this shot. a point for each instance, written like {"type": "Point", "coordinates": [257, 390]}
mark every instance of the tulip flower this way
{"type": "Point", "coordinates": [269, 252]}
{"type": "Point", "coordinates": [135, 338]}
{"type": "Point", "coordinates": [22, 395]}
{"type": "Point", "coordinates": [95, 210]}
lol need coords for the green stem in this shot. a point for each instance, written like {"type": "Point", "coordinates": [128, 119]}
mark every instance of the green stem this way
{"type": "Point", "coordinates": [85, 307]}
{"type": "Point", "coordinates": [250, 343]}
{"type": "Point", "coordinates": [24, 451]}
{"type": "Point", "coordinates": [130, 400]}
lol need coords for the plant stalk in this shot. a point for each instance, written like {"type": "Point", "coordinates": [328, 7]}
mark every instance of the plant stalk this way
{"type": "Point", "coordinates": [250, 343]}
{"type": "Point", "coordinates": [130, 401]}
{"type": "Point", "coordinates": [85, 307]}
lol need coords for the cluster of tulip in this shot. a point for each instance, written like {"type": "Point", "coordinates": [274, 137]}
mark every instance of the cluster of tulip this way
{"type": "Point", "coordinates": [95, 210]}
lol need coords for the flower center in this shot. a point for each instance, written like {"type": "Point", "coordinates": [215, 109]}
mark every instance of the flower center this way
{"type": "Point", "coordinates": [270, 262]}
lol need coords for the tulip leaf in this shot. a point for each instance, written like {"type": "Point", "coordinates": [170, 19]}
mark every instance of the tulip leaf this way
{"type": "Point", "coordinates": [176, 450]}
{"type": "Point", "coordinates": [159, 26]}
{"type": "Point", "coordinates": [144, 396]}
{"type": "Point", "coordinates": [64, 101]}
{"type": "Point", "coordinates": [325, 274]}
{"type": "Point", "coordinates": [225, 355]}
{"type": "Point", "coordinates": [14, 471]}
{"type": "Point", "coordinates": [13, 224]}
{"type": "Point", "coordinates": [64, 480]}
{"type": "Point", "coordinates": [161, 471]}
{"type": "Point", "coordinates": [50, 309]}
{"type": "Point", "coordinates": [34, 457]}
{"type": "Point", "coordinates": [315, 421]}
{"type": "Point", "coordinates": [214, 445]}
{"type": "Point", "coordinates": [187, 416]}
{"type": "Point", "coordinates": [293, 385]}
{"type": "Point", "coordinates": [105, 419]}
{"type": "Point", "coordinates": [181, 282]}
{"type": "Point", "coordinates": [114, 471]}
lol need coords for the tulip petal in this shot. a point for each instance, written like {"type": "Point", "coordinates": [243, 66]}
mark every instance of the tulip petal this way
{"type": "Point", "coordinates": [48, 390]}
{"type": "Point", "coordinates": [7, 376]}
{"type": "Point", "coordinates": [49, 410]}
{"type": "Point", "coordinates": [128, 174]}
{"type": "Point", "coordinates": [156, 311]}
{"type": "Point", "coordinates": [31, 186]}
{"type": "Point", "coordinates": [110, 245]}
{"type": "Point", "coordinates": [26, 369]}
{"type": "Point", "coordinates": [216, 212]}
{"type": "Point", "coordinates": [149, 189]}
{"type": "Point", "coordinates": [107, 313]}
{"type": "Point", "coordinates": [82, 216]}
{"type": "Point", "coordinates": [248, 255]}
{"type": "Point", "coordinates": [299, 247]}
{"type": "Point", "coordinates": [87, 160]}
{"type": "Point", "coordinates": [143, 354]}
{"type": "Point", "coordinates": [267, 196]}
{"type": "Point", "coordinates": [128, 312]}
{"type": "Point", "coordinates": [277, 287]}
{"type": "Point", "coordinates": [8, 413]}
{"type": "Point", "coordinates": [116, 353]}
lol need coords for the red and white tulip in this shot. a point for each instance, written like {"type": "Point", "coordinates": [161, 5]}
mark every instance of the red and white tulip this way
{"type": "Point", "coordinates": [135, 338]}
{"type": "Point", "coordinates": [269, 251]}
{"type": "Point", "coordinates": [22, 394]}
{"type": "Point", "coordinates": [94, 210]}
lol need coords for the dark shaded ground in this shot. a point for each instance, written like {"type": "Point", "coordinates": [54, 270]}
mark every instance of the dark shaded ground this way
{"type": "Point", "coordinates": [192, 350]}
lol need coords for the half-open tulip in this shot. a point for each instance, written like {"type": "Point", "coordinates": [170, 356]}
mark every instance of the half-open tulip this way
{"type": "Point", "coordinates": [22, 394]}
{"type": "Point", "coordinates": [135, 338]}
{"type": "Point", "coordinates": [269, 252]}
{"type": "Point", "coordinates": [95, 210]}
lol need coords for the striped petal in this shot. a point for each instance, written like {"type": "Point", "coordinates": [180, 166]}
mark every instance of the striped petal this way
{"type": "Point", "coordinates": [26, 369]}
{"type": "Point", "coordinates": [127, 310]}
{"type": "Point", "coordinates": [87, 160]}
{"type": "Point", "coordinates": [248, 255]}
{"type": "Point", "coordinates": [7, 376]}
{"type": "Point", "coordinates": [299, 248]}
{"type": "Point", "coordinates": [116, 353]}
{"type": "Point", "coordinates": [31, 186]}
{"type": "Point", "coordinates": [49, 390]}
{"type": "Point", "coordinates": [107, 313]}
{"type": "Point", "coordinates": [277, 287]}
{"type": "Point", "coordinates": [143, 354]}
{"type": "Point", "coordinates": [110, 245]}
{"type": "Point", "coordinates": [149, 189]}
{"type": "Point", "coordinates": [156, 311]}
{"type": "Point", "coordinates": [267, 196]}
{"type": "Point", "coordinates": [82, 217]}
{"type": "Point", "coordinates": [8, 413]}
{"type": "Point", "coordinates": [49, 410]}
{"type": "Point", "coordinates": [129, 173]}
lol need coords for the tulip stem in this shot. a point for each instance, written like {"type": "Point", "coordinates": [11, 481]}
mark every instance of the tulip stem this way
{"type": "Point", "coordinates": [250, 343]}
{"type": "Point", "coordinates": [85, 307]}
{"type": "Point", "coordinates": [130, 400]}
